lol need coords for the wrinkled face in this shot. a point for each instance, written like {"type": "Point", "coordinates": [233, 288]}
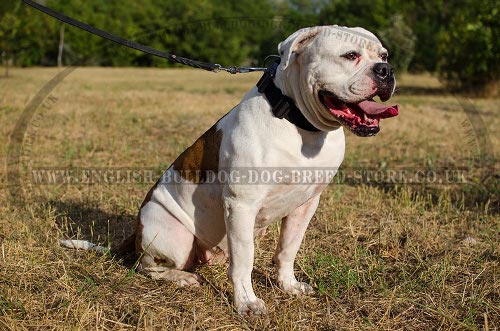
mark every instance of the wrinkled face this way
{"type": "Point", "coordinates": [338, 73]}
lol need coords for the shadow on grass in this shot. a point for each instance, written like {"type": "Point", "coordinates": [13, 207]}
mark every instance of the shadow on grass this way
{"type": "Point", "coordinates": [87, 221]}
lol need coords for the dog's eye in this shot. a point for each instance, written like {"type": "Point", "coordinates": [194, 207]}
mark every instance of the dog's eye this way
{"type": "Point", "coordinates": [351, 56]}
{"type": "Point", "coordinates": [384, 57]}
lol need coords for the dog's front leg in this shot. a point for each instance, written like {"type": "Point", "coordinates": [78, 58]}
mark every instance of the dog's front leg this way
{"type": "Point", "coordinates": [293, 228]}
{"type": "Point", "coordinates": [240, 221]}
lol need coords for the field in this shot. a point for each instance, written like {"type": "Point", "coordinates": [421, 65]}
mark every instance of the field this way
{"type": "Point", "coordinates": [413, 253]}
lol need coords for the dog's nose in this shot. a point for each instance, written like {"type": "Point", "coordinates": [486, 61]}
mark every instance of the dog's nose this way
{"type": "Point", "coordinates": [383, 71]}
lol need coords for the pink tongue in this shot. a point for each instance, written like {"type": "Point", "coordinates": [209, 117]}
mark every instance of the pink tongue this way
{"type": "Point", "coordinates": [378, 110]}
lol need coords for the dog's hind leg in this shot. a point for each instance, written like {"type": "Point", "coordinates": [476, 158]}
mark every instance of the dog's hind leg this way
{"type": "Point", "coordinates": [166, 247]}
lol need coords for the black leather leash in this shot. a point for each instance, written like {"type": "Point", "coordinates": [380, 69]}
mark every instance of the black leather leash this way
{"type": "Point", "coordinates": [282, 106]}
{"type": "Point", "coordinates": [214, 67]}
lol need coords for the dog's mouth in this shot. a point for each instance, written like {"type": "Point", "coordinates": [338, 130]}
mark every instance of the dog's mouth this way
{"type": "Point", "coordinates": [361, 118]}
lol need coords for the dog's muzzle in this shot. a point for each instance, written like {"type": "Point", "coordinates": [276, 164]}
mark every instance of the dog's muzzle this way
{"type": "Point", "coordinates": [362, 118]}
{"type": "Point", "coordinates": [383, 75]}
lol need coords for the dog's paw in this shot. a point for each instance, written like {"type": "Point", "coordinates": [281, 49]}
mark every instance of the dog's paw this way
{"type": "Point", "coordinates": [189, 280]}
{"type": "Point", "coordinates": [179, 277]}
{"type": "Point", "coordinates": [251, 308]}
{"type": "Point", "coordinates": [296, 288]}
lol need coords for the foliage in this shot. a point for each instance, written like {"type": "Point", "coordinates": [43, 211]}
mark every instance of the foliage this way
{"type": "Point", "coordinates": [205, 30]}
{"type": "Point", "coordinates": [398, 37]}
{"type": "Point", "coordinates": [455, 38]}
{"type": "Point", "coordinates": [468, 49]}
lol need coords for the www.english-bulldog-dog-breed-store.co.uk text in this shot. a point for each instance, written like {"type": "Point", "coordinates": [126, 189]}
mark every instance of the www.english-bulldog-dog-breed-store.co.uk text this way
{"type": "Point", "coordinates": [325, 81]}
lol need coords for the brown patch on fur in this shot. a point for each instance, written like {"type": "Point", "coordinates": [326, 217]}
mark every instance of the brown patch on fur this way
{"type": "Point", "coordinates": [202, 157]}
{"type": "Point", "coordinates": [193, 165]}
{"type": "Point", "coordinates": [138, 235]}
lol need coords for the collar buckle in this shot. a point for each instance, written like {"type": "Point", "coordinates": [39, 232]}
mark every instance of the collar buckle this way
{"type": "Point", "coordinates": [281, 109]}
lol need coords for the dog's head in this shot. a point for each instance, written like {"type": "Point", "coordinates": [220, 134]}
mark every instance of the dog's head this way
{"type": "Point", "coordinates": [333, 73]}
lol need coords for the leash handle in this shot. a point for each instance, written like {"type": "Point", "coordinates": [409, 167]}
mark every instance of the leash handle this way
{"type": "Point", "coordinates": [213, 67]}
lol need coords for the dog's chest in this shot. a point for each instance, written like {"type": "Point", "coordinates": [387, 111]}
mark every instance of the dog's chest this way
{"type": "Point", "coordinates": [284, 199]}
{"type": "Point", "coordinates": [297, 177]}
{"type": "Point", "coordinates": [290, 168]}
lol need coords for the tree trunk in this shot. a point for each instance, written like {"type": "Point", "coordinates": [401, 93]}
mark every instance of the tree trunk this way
{"type": "Point", "coordinates": [6, 64]}
{"type": "Point", "coordinates": [61, 46]}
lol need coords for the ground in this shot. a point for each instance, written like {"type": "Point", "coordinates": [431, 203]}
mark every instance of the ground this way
{"type": "Point", "coordinates": [418, 250]}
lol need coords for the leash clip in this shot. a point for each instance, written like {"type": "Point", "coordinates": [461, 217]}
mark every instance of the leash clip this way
{"type": "Point", "coordinates": [233, 70]}
{"type": "Point", "coordinates": [217, 68]}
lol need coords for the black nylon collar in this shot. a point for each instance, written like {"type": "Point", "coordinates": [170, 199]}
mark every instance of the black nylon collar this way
{"type": "Point", "coordinates": [282, 105]}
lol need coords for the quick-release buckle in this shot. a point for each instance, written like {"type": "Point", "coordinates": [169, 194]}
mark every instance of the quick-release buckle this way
{"type": "Point", "coordinates": [281, 109]}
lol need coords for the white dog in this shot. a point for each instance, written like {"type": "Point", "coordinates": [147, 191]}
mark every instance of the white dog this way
{"type": "Point", "coordinates": [328, 77]}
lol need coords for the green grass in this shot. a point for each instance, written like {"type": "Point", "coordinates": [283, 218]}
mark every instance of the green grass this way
{"type": "Point", "coordinates": [330, 274]}
{"type": "Point", "coordinates": [380, 256]}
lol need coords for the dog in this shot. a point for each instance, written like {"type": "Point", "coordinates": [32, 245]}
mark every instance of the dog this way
{"type": "Point", "coordinates": [325, 81]}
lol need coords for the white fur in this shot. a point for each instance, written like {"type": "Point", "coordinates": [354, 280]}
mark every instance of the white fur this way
{"type": "Point", "coordinates": [226, 216]}
{"type": "Point", "coordinates": [84, 245]}
{"type": "Point", "coordinates": [229, 215]}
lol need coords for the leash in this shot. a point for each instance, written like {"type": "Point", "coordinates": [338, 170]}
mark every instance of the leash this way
{"type": "Point", "coordinates": [282, 106]}
{"type": "Point", "coordinates": [213, 67]}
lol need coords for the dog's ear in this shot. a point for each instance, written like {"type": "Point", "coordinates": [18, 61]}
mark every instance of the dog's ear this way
{"type": "Point", "coordinates": [293, 45]}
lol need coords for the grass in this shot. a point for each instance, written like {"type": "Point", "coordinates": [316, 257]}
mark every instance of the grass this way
{"type": "Point", "coordinates": [380, 256]}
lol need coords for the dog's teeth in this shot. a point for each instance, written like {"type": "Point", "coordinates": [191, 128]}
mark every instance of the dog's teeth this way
{"type": "Point", "coordinates": [365, 118]}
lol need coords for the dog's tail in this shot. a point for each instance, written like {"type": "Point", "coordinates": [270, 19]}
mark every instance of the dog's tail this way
{"type": "Point", "coordinates": [85, 245]}
{"type": "Point", "coordinates": [126, 247]}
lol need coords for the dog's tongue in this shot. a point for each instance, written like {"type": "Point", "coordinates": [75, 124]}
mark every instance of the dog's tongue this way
{"type": "Point", "coordinates": [377, 110]}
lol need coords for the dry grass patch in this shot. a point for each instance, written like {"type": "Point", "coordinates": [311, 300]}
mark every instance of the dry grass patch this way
{"type": "Point", "coordinates": [412, 257]}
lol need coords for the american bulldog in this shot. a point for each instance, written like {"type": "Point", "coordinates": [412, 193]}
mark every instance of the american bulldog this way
{"type": "Point", "coordinates": [327, 78]}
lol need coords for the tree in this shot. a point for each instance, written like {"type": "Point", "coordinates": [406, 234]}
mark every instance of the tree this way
{"type": "Point", "coordinates": [458, 39]}
{"type": "Point", "coordinates": [468, 48]}
{"type": "Point", "coordinates": [9, 25]}
{"type": "Point", "coordinates": [426, 19]}
{"type": "Point", "coordinates": [399, 39]}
